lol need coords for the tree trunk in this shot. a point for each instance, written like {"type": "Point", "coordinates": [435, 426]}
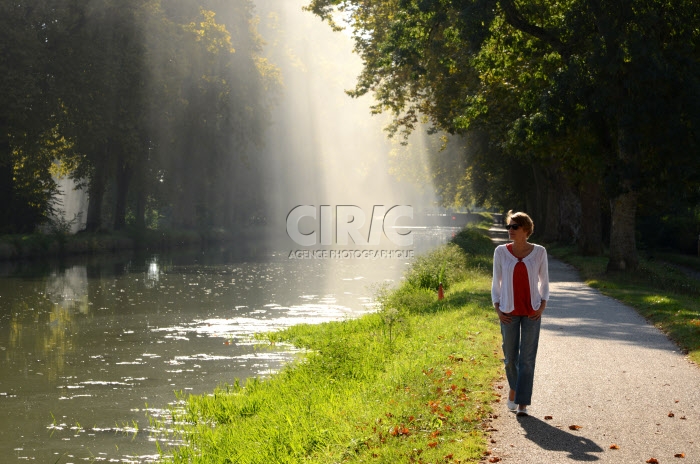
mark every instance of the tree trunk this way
{"type": "Point", "coordinates": [122, 190]}
{"type": "Point", "coordinates": [569, 211]}
{"type": "Point", "coordinates": [623, 248]}
{"type": "Point", "coordinates": [548, 228]}
{"type": "Point", "coordinates": [6, 183]}
{"type": "Point", "coordinates": [623, 206]}
{"type": "Point", "coordinates": [140, 208]}
{"type": "Point", "coordinates": [538, 209]}
{"type": "Point", "coordinates": [96, 192]}
{"type": "Point", "coordinates": [591, 239]}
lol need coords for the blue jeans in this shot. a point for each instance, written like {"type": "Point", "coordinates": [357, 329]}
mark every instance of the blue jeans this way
{"type": "Point", "coordinates": [520, 340]}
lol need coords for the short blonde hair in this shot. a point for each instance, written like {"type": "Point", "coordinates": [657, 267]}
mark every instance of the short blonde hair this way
{"type": "Point", "coordinates": [523, 220]}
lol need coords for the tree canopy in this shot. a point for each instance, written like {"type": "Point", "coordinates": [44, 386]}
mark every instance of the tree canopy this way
{"type": "Point", "coordinates": [595, 99]}
{"type": "Point", "coordinates": [155, 108]}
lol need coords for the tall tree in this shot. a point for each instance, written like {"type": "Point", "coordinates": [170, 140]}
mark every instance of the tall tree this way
{"type": "Point", "coordinates": [620, 74]}
{"type": "Point", "coordinates": [26, 107]}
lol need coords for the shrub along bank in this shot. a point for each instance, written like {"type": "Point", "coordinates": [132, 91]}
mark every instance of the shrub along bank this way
{"type": "Point", "coordinates": [59, 244]}
{"type": "Point", "coordinates": [411, 382]}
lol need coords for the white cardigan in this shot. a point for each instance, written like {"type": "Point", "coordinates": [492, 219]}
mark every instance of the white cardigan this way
{"type": "Point", "coordinates": [537, 272]}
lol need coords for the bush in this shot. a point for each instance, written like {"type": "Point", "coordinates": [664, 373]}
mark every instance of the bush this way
{"type": "Point", "coordinates": [445, 265]}
{"type": "Point", "coordinates": [474, 242]}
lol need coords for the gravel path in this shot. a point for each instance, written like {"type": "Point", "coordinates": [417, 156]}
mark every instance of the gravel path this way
{"type": "Point", "coordinates": [603, 368]}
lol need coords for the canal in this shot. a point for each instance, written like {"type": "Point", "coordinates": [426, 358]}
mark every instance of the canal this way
{"type": "Point", "coordinates": [92, 349]}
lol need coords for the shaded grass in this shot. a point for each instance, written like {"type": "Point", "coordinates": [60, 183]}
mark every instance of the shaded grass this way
{"type": "Point", "coordinates": [663, 294]}
{"type": "Point", "coordinates": [688, 261]}
{"type": "Point", "coordinates": [409, 383]}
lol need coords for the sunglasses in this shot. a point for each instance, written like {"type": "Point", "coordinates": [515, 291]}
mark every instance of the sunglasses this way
{"type": "Point", "coordinates": [512, 226]}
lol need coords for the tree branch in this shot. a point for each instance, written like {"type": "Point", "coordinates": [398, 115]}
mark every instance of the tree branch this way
{"type": "Point", "coordinates": [515, 19]}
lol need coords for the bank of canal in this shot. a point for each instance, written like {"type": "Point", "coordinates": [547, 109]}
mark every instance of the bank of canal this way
{"type": "Point", "coordinates": [90, 349]}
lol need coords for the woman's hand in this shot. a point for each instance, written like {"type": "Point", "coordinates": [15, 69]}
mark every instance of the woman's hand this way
{"type": "Point", "coordinates": [503, 316]}
{"type": "Point", "coordinates": [538, 314]}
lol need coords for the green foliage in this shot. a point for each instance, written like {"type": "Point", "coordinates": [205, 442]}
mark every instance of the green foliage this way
{"type": "Point", "coordinates": [466, 259]}
{"type": "Point", "coordinates": [149, 105]}
{"type": "Point", "coordinates": [442, 266]}
{"type": "Point", "coordinates": [602, 95]}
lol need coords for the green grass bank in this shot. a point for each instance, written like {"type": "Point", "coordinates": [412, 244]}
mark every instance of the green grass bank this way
{"type": "Point", "coordinates": [659, 290]}
{"type": "Point", "coordinates": [412, 382]}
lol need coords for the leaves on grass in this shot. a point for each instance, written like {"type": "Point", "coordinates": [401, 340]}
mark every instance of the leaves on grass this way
{"type": "Point", "coordinates": [614, 446]}
{"type": "Point", "coordinates": [399, 430]}
{"type": "Point", "coordinates": [575, 427]}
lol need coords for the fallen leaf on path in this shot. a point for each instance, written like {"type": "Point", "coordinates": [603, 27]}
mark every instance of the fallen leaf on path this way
{"type": "Point", "coordinates": [682, 418]}
{"type": "Point", "coordinates": [547, 417]}
{"type": "Point", "coordinates": [679, 455]}
{"type": "Point", "coordinates": [614, 446]}
{"type": "Point", "coordinates": [670, 414]}
{"type": "Point", "coordinates": [494, 459]}
{"type": "Point", "coordinates": [652, 461]}
{"type": "Point", "coordinates": [574, 427]}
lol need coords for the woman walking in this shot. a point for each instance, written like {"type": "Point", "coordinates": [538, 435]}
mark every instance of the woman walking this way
{"type": "Point", "coordinates": [519, 291]}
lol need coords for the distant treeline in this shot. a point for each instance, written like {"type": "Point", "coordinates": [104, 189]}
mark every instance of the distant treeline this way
{"type": "Point", "coordinates": [155, 107]}
{"type": "Point", "coordinates": [584, 113]}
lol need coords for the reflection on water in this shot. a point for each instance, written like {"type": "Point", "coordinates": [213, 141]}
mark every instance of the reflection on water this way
{"type": "Point", "coordinates": [89, 350]}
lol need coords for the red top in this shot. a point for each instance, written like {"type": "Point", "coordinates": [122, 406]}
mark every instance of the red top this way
{"type": "Point", "coordinates": [521, 288]}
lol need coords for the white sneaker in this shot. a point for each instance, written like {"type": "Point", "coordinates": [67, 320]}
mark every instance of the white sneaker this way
{"type": "Point", "coordinates": [511, 405]}
{"type": "Point", "coordinates": [522, 412]}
